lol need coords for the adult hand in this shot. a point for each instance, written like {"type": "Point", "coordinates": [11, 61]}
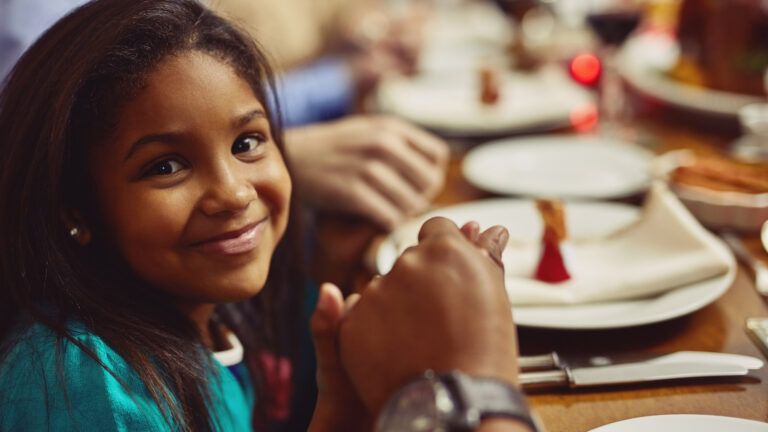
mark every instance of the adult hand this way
{"type": "Point", "coordinates": [380, 168]}
{"type": "Point", "coordinates": [338, 407]}
{"type": "Point", "coordinates": [443, 306]}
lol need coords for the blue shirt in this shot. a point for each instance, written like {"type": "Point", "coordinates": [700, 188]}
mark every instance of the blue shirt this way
{"type": "Point", "coordinates": [40, 390]}
{"type": "Point", "coordinates": [320, 91]}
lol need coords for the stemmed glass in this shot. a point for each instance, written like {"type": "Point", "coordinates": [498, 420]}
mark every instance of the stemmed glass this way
{"type": "Point", "coordinates": [516, 10]}
{"type": "Point", "coordinates": [612, 21]}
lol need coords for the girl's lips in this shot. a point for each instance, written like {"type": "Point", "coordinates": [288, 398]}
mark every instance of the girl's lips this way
{"type": "Point", "coordinates": [243, 243]}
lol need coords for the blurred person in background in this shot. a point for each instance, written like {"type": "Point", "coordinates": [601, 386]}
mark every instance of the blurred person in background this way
{"type": "Point", "coordinates": [332, 53]}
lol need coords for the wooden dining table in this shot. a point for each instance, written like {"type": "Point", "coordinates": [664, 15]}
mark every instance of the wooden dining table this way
{"type": "Point", "coordinates": [346, 247]}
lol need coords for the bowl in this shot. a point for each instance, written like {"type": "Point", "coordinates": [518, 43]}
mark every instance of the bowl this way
{"type": "Point", "coordinates": [715, 209]}
{"type": "Point", "coordinates": [721, 210]}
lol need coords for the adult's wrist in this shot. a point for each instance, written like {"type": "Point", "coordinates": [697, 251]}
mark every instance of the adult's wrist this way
{"type": "Point", "coordinates": [456, 402]}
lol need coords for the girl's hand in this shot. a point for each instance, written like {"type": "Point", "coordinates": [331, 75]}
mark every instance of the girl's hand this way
{"type": "Point", "coordinates": [442, 307]}
{"type": "Point", "coordinates": [338, 407]}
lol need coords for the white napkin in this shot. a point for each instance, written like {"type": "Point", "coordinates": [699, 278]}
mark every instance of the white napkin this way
{"type": "Point", "coordinates": [665, 249]}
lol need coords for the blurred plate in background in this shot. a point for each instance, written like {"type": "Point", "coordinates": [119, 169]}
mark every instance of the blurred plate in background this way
{"type": "Point", "coordinates": [644, 62]}
{"type": "Point", "coordinates": [566, 166]}
{"type": "Point", "coordinates": [450, 102]}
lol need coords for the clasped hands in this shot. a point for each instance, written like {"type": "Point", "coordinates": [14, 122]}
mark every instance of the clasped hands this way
{"type": "Point", "coordinates": [443, 306]}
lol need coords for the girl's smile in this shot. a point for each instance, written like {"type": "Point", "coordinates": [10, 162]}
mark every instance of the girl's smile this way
{"type": "Point", "coordinates": [191, 186]}
{"type": "Point", "coordinates": [235, 242]}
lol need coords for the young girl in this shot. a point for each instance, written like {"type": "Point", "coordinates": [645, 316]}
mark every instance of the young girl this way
{"type": "Point", "coordinates": [141, 184]}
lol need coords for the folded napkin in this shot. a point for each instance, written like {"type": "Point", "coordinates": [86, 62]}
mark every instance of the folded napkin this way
{"type": "Point", "coordinates": [665, 249]}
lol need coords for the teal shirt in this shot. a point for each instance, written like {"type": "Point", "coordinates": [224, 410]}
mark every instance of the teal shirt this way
{"type": "Point", "coordinates": [32, 388]}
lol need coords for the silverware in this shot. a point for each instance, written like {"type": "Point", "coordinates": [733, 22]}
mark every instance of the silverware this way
{"type": "Point", "coordinates": [757, 266]}
{"type": "Point", "coordinates": [757, 329]}
{"type": "Point", "coordinates": [611, 370]}
{"type": "Point", "coordinates": [556, 360]}
{"type": "Point", "coordinates": [627, 374]}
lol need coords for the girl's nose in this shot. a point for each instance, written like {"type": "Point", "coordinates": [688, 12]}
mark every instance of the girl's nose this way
{"type": "Point", "coordinates": [226, 192]}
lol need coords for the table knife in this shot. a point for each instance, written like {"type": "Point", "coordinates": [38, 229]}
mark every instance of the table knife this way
{"type": "Point", "coordinates": [556, 360]}
{"type": "Point", "coordinates": [627, 373]}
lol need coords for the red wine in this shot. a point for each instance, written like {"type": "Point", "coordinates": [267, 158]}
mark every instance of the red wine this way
{"type": "Point", "coordinates": [614, 27]}
{"type": "Point", "coordinates": [515, 8]}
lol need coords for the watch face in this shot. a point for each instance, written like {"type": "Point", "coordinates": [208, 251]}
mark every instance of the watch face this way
{"type": "Point", "coordinates": [419, 406]}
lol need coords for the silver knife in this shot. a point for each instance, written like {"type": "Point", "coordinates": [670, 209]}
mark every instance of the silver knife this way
{"type": "Point", "coordinates": [555, 360]}
{"type": "Point", "coordinates": [627, 373]}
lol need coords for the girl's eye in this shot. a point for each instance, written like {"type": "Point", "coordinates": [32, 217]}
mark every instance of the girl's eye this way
{"type": "Point", "coordinates": [248, 144]}
{"type": "Point", "coordinates": [164, 168]}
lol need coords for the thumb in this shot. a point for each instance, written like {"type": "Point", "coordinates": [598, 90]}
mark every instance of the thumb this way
{"type": "Point", "coordinates": [325, 324]}
{"type": "Point", "coordinates": [493, 241]}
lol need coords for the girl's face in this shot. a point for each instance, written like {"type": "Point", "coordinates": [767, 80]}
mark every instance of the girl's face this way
{"type": "Point", "coordinates": [192, 188]}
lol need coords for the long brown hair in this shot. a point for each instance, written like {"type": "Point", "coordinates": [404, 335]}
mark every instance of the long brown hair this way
{"type": "Point", "coordinates": [65, 95]}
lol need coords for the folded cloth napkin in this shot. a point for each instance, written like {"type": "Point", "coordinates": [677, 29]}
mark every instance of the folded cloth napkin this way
{"type": "Point", "coordinates": [665, 249]}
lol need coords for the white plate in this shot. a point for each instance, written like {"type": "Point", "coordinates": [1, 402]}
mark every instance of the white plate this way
{"type": "Point", "coordinates": [568, 166]}
{"type": "Point", "coordinates": [684, 423]}
{"type": "Point", "coordinates": [644, 61]}
{"type": "Point", "coordinates": [450, 103]}
{"type": "Point", "coordinates": [585, 220]}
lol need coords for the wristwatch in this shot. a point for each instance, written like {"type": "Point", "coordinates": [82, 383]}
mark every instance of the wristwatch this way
{"type": "Point", "coordinates": [452, 402]}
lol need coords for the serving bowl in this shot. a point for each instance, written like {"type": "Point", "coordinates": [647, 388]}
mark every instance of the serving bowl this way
{"type": "Point", "coordinates": [715, 209]}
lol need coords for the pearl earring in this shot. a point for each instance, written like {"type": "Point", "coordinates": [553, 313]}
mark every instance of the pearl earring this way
{"type": "Point", "coordinates": [74, 232]}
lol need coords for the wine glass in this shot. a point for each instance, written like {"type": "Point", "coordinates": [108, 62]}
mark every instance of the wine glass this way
{"type": "Point", "coordinates": [516, 10]}
{"type": "Point", "coordinates": [613, 21]}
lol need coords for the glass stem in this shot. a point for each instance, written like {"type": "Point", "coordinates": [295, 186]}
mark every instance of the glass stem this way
{"type": "Point", "coordinates": [612, 100]}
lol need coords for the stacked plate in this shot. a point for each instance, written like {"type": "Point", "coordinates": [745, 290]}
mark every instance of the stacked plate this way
{"type": "Point", "coordinates": [563, 166]}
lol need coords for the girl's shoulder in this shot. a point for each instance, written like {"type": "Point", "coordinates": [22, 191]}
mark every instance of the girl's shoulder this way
{"type": "Point", "coordinates": [52, 383]}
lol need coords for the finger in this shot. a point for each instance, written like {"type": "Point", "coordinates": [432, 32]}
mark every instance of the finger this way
{"type": "Point", "coordinates": [438, 226]}
{"type": "Point", "coordinates": [494, 240]}
{"type": "Point", "coordinates": [324, 326]}
{"type": "Point", "coordinates": [367, 202]}
{"type": "Point", "coordinates": [471, 231]}
{"type": "Point", "coordinates": [350, 302]}
{"type": "Point", "coordinates": [391, 185]}
{"type": "Point", "coordinates": [394, 148]}
{"type": "Point", "coordinates": [430, 146]}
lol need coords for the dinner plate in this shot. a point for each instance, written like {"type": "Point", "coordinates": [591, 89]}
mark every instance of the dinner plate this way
{"type": "Point", "coordinates": [644, 61]}
{"type": "Point", "coordinates": [450, 102]}
{"type": "Point", "coordinates": [566, 166]}
{"type": "Point", "coordinates": [685, 423]}
{"type": "Point", "coordinates": [586, 220]}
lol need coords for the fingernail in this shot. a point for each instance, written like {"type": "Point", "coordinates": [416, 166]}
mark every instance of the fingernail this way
{"type": "Point", "coordinates": [503, 237]}
{"type": "Point", "coordinates": [324, 300]}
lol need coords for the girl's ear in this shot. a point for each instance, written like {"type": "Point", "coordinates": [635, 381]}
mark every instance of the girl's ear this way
{"type": "Point", "coordinates": [76, 226]}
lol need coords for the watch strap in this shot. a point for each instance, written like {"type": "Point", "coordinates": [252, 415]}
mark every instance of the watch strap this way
{"type": "Point", "coordinates": [482, 398]}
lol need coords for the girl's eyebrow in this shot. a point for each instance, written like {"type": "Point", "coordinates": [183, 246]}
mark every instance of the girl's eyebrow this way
{"type": "Point", "coordinates": [173, 138]}
{"type": "Point", "coordinates": [248, 117]}
{"type": "Point", "coordinates": [170, 137]}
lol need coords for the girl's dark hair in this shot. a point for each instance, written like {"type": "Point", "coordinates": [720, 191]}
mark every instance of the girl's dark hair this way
{"type": "Point", "coordinates": [65, 95]}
